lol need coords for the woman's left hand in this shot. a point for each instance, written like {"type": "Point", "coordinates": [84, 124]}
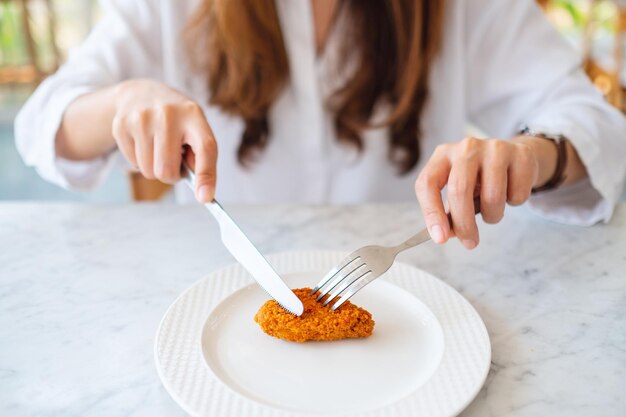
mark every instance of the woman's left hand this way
{"type": "Point", "coordinates": [499, 171]}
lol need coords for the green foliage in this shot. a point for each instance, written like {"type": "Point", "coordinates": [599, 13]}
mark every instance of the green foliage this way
{"type": "Point", "coordinates": [11, 43]}
{"type": "Point", "coordinates": [580, 11]}
{"type": "Point", "coordinates": [576, 9]}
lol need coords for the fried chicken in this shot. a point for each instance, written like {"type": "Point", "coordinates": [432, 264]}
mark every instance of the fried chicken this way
{"type": "Point", "coordinates": [316, 322]}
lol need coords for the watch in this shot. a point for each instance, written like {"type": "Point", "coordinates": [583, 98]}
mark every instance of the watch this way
{"type": "Point", "coordinates": [561, 162]}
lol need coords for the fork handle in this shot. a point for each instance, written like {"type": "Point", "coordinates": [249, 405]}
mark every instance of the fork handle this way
{"type": "Point", "coordinates": [476, 211]}
{"type": "Point", "coordinates": [423, 236]}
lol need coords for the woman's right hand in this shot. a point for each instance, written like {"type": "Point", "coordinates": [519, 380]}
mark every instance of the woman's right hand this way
{"type": "Point", "coordinates": [152, 126]}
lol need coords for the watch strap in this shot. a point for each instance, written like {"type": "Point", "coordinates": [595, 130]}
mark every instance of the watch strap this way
{"type": "Point", "coordinates": [561, 162]}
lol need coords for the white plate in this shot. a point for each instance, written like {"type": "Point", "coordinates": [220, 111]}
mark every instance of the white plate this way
{"type": "Point", "coordinates": [305, 376]}
{"type": "Point", "coordinates": [429, 354]}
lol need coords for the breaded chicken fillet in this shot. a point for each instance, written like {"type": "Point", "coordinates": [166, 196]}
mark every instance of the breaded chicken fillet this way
{"type": "Point", "coordinates": [316, 322]}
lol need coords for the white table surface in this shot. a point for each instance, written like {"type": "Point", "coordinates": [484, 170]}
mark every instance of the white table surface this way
{"type": "Point", "coordinates": [83, 288]}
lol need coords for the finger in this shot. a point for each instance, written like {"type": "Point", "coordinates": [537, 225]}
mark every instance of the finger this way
{"type": "Point", "coordinates": [124, 141]}
{"type": "Point", "coordinates": [205, 173]}
{"type": "Point", "coordinates": [167, 152]}
{"type": "Point", "coordinates": [520, 176]}
{"type": "Point", "coordinates": [144, 143]}
{"type": "Point", "coordinates": [144, 151]}
{"type": "Point", "coordinates": [493, 183]}
{"type": "Point", "coordinates": [461, 184]}
{"type": "Point", "coordinates": [428, 188]}
{"type": "Point", "coordinates": [202, 142]}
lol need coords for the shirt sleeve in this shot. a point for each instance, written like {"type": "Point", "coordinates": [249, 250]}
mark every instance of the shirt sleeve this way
{"type": "Point", "coordinates": [124, 44]}
{"type": "Point", "coordinates": [521, 72]}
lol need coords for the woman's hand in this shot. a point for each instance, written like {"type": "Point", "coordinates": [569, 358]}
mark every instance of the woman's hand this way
{"type": "Point", "coordinates": [151, 125]}
{"type": "Point", "coordinates": [499, 171]}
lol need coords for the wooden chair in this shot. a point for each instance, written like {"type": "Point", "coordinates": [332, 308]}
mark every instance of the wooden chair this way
{"type": "Point", "coordinates": [32, 72]}
{"type": "Point", "coordinates": [143, 189]}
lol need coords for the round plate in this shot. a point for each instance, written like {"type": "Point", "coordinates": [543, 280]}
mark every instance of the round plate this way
{"type": "Point", "coordinates": [305, 376]}
{"type": "Point", "coordinates": [429, 353]}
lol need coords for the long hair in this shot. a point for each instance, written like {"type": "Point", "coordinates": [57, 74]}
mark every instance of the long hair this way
{"type": "Point", "coordinates": [239, 45]}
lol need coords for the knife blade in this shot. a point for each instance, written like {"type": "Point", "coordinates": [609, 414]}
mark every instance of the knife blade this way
{"type": "Point", "coordinates": [242, 249]}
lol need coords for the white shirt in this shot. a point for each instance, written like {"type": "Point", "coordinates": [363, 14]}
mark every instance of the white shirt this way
{"type": "Point", "coordinates": [502, 65]}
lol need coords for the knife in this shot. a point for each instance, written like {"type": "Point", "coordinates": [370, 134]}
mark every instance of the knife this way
{"type": "Point", "coordinates": [248, 255]}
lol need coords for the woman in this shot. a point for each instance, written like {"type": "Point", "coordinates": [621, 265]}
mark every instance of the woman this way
{"type": "Point", "coordinates": [325, 101]}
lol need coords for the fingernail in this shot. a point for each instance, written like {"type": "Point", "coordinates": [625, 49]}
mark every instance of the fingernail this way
{"type": "Point", "coordinates": [468, 243]}
{"type": "Point", "coordinates": [436, 233]}
{"type": "Point", "coordinates": [205, 194]}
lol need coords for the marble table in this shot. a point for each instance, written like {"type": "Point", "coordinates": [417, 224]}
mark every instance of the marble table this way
{"type": "Point", "coordinates": [82, 290]}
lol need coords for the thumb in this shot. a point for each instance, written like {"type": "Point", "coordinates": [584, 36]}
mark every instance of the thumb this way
{"type": "Point", "coordinates": [204, 171]}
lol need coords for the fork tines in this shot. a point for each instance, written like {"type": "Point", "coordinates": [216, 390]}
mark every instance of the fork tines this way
{"type": "Point", "coordinates": [342, 281]}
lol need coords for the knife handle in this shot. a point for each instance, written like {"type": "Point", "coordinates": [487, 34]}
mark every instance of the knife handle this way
{"type": "Point", "coordinates": [188, 175]}
{"type": "Point", "coordinates": [190, 178]}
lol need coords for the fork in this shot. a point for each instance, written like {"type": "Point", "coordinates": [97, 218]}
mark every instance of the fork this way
{"type": "Point", "coordinates": [364, 265]}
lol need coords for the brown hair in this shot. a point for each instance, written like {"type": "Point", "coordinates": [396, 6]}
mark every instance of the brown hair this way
{"type": "Point", "coordinates": [393, 42]}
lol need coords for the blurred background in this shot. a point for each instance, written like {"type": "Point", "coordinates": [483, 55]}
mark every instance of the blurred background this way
{"type": "Point", "coordinates": [35, 36]}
